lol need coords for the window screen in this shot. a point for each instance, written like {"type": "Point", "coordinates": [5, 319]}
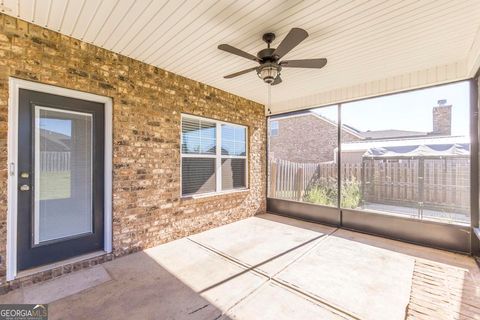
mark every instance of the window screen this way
{"type": "Point", "coordinates": [405, 154]}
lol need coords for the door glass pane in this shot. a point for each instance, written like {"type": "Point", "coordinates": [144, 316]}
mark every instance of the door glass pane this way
{"type": "Point", "coordinates": [302, 161]}
{"type": "Point", "coordinates": [63, 174]}
{"type": "Point", "coordinates": [412, 157]}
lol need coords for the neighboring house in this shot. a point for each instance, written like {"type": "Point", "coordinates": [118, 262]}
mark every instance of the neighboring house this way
{"type": "Point", "coordinates": [311, 138]}
{"type": "Point", "coordinates": [55, 142]}
{"type": "Point", "coordinates": [306, 137]}
{"type": "Point", "coordinates": [56, 151]}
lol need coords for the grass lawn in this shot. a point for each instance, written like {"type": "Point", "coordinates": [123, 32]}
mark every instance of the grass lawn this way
{"type": "Point", "coordinates": [54, 185]}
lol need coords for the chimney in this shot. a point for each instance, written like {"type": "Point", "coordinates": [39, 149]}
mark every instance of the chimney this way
{"type": "Point", "coordinates": [442, 119]}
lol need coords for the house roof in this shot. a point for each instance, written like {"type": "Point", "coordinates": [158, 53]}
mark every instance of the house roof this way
{"type": "Point", "coordinates": [304, 113]}
{"type": "Point", "coordinates": [361, 146]}
{"type": "Point", "coordinates": [390, 134]}
{"type": "Point", "coordinates": [55, 141]}
{"type": "Point", "coordinates": [366, 135]}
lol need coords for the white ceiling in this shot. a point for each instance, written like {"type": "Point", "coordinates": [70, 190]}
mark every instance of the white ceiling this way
{"type": "Point", "coordinates": [372, 47]}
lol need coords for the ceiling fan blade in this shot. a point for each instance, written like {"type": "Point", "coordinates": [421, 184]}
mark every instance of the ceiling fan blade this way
{"type": "Point", "coordinates": [304, 63]}
{"type": "Point", "coordinates": [239, 73]}
{"type": "Point", "coordinates": [228, 48]}
{"type": "Point", "coordinates": [277, 80]}
{"type": "Point", "coordinates": [293, 38]}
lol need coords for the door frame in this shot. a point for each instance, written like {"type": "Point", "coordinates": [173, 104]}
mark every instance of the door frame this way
{"type": "Point", "coordinates": [14, 86]}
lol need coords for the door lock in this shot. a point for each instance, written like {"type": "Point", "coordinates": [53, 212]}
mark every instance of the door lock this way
{"type": "Point", "coordinates": [24, 187]}
{"type": "Point", "coordinates": [24, 175]}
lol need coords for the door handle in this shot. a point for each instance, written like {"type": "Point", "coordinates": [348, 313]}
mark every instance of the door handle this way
{"type": "Point", "coordinates": [24, 187]}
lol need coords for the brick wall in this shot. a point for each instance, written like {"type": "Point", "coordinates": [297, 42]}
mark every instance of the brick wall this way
{"type": "Point", "coordinates": [147, 104]}
{"type": "Point", "coordinates": [306, 138]}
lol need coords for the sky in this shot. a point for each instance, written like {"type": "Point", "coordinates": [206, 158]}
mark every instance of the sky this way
{"type": "Point", "coordinates": [406, 111]}
{"type": "Point", "coordinates": [57, 125]}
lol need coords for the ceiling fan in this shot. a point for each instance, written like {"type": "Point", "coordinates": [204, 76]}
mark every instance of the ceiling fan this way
{"type": "Point", "coordinates": [269, 58]}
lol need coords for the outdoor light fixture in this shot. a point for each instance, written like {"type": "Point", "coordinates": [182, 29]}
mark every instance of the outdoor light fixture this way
{"type": "Point", "coordinates": [269, 72]}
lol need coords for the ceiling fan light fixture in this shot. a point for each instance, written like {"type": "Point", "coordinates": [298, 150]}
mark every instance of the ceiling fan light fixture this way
{"type": "Point", "coordinates": [269, 73]}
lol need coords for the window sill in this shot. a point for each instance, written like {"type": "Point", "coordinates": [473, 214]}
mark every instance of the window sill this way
{"type": "Point", "coordinates": [214, 194]}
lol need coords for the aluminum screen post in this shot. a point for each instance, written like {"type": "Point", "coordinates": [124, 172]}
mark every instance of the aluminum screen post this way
{"type": "Point", "coordinates": [474, 165]}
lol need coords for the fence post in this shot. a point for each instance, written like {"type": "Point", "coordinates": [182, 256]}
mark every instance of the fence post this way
{"type": "Point", "coordinates": [420, 184]}
{"type": "Point", "coordinates": [362, 181]}
{"type": "Point", "coordinates": [273, 179]}
{"type": "Point", "coordinates": [299, 184]}
{"type": "Point", "coordinates": [371, 183]}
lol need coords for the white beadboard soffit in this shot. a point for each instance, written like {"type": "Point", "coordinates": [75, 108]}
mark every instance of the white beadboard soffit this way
{"type": "Point", "coordinates": [373, 47]}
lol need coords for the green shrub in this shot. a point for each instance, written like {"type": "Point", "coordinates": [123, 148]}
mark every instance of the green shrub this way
{"type": "Point", "coordinates": [326, 194]}
{"type": "Point", "coordinates": [351, 195]}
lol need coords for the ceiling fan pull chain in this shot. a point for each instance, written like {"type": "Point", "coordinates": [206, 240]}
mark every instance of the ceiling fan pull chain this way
{"type": "Point", "coordinates": [269, 105]}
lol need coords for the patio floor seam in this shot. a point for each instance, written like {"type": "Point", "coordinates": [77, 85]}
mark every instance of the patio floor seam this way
{"type": "Point", "coordinates": [254, 267]}
{"type": "Point", "coordinates": [269, 278]}
{"type": "Point", "coordinates": [289, 286]}
{"type": "Point", "coordinates": [245, 297]}
{"type": "Point", "coordinates": [323, 239]}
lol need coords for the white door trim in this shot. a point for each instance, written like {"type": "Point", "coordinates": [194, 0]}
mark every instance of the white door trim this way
{"type": "Point", "coordinates": [14, 86]}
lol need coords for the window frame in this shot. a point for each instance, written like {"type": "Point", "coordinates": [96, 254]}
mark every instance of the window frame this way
{"type": "Point", "coordinates": [217, 156]}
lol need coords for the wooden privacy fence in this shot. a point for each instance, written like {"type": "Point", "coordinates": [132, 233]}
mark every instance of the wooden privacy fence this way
{"type": "Point", "coordinates": [420, 182]}
{"type": "Point", "coordinates": [290, 180]}
{"type": "Point", "coordinates": [423, 182]}
{"type": "Point", "coordinates": [53, 161]}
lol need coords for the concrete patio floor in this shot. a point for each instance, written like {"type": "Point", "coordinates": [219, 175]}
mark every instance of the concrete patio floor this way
{"type": "Point", "coordinates": [269, 267]}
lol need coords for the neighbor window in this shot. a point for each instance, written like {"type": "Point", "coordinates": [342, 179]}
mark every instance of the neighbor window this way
{"type": "Point", "coordinates": [214, 156]}
{"type": "Point", "coordinates": [273, 128]}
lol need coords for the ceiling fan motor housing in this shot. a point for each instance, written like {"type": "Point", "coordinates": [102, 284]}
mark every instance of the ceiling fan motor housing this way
{"type": "Point", "coordinates": [266, 55]}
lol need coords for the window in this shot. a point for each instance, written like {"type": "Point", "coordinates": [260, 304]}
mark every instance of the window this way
{"type": "Point", "coordinates": [273, 128]}
{"type": "Point", "coordinates": [214, 156]}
